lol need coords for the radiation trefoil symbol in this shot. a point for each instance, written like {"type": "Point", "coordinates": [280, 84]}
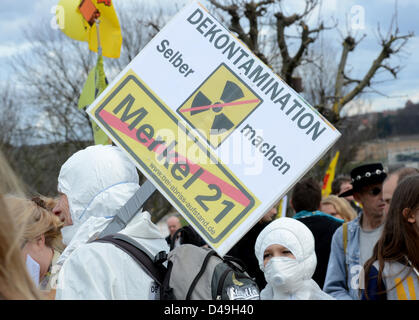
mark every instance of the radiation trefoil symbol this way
{"type": "Point", "coordinates": [219, 105]}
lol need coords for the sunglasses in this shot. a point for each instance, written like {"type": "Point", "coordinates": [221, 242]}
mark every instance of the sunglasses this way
{"type": "Point", "coordinates": [374, 191]}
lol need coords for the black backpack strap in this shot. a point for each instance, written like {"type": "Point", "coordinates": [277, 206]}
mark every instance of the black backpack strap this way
{"type": "Point", "coordinates": [166, 292]}
{"type": "Point", "coordinates": [152, 267]}
{"type": "Point", "coordinates": [198, 276]}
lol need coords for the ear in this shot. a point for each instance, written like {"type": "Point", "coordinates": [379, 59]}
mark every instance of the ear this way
{"type": "Point", "coordinates": [40, 242]}
{"type": "Point", "coordinates": [409, 215]}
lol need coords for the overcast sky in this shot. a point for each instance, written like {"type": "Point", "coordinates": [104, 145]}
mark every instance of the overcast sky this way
{"type": "Point", "coordinates": [15, 14]}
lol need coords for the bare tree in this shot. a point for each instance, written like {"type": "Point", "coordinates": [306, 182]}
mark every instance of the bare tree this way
{"type": "Point", "coordinates": [10, 109]}
{"type": "Point", "coordinates": [248, 17]}
{"type": "Point", "coordinates": [53, 73]}
{"type": "Point", "coordinates": [9, 181]}
{"type": "Point", "coordinates": [55, 69]}
{"type": "Point", "coordinates": [139, 22]}
{"type": "Point", "coordinates": [390, 44]}
{"type": "Point", "coordinates": [297, 50]}
{"type": "Point", "coordinates": [319, 76]}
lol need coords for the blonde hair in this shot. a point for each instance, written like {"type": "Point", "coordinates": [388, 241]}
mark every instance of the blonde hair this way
{"type": "Point", "coordinates": [342, 206]}
{"type": "Point", "coordinates": [50, 203]}
{"type": "Point", "coordinates": [15, 282]}
{"type": "Point", "coordinates": [36, 220]}
{"type": "Point", "coordinates": [9, 182]}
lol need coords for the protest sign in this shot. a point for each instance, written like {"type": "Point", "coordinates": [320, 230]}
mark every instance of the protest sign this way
{"type": "Point", "coordinates": [219, 134]}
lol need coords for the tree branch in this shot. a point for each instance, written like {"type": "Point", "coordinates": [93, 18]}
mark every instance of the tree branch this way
{"type": "Point", "coordinates": [252, 11]}
{"type": "Point", "coordinates": [349, 80]}
{"type": "Point", "coordinates": [386, 51]}
{"type": "Point", "coordinates": [289, 64]}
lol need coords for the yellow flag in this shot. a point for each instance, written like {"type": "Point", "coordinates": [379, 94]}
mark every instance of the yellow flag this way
{"type": "Point", "coordinates": [70, 20]}
{"type": "Point", "coordinates": [109, 32]}
{"type": "Point", "coordinates": [76, 27]}
{"type": "Point", "coordinates": [282, 208]}
{"type": "Point", "coordinates": [329, 176]}
{"type": "Point", "coordinates": [96, 82]}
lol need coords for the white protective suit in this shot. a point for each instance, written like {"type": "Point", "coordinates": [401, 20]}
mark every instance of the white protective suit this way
{"type": "Point", "coordinates": [97, 182]}
{"type": "Point", "coordinates": [287, 278]}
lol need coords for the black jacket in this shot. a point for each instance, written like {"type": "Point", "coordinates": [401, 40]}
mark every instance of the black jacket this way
{"type": "Point", "coordinates": [323, 229]}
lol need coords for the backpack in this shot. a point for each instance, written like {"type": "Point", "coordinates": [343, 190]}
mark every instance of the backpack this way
{"type": "Point", "coordinates": [192, 272]}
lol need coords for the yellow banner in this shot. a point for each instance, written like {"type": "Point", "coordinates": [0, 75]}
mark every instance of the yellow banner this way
{"type": "Point", "coordinates": [330, 176]}
{"type": "Point", "coordinates": [190, 176]}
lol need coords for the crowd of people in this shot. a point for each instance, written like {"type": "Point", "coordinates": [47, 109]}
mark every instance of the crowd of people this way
{"type": "Point", "coordinates": [360, 242]}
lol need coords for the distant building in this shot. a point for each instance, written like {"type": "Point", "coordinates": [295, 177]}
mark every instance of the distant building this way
{"type": "Point", "coordinates": [394, 152]}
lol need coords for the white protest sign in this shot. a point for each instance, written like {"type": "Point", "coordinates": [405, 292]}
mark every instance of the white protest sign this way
{"type": "Point", "coordinates": [219, 134]}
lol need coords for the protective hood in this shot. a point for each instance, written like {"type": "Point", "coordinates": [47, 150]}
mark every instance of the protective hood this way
{"type": "Point", "coordinates": [97, 182]}
{"type": "Point", "coordinates": [295, 236]}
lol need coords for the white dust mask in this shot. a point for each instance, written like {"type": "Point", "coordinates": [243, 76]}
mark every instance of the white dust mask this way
{"type": "Point", "coordinates": [34, 269]}
{"type": "Point", "coordinates": [283, 273]}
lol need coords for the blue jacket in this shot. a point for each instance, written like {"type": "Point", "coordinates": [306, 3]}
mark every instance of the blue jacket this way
{"type": "Point", "coordinates": [337, 284]}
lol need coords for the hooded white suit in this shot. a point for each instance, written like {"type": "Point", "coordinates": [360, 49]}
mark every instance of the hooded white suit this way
{"type": "Point", "coordinates": [97, 182]}
{"type": "Point", "coordinates": [289, 279]}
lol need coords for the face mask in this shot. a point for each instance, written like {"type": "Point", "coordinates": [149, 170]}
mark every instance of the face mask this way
{"type": "Point", "coordinates": [283, 273]}
{"type": "Point", "coordinates": [33, 268]}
